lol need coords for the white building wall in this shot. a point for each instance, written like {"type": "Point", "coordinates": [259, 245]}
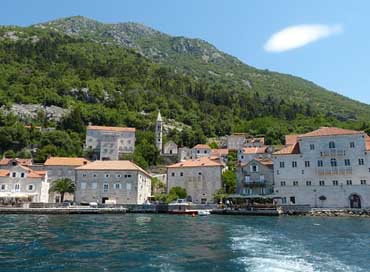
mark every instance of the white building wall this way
{"type": "Point", "coordinates": [308, 181]}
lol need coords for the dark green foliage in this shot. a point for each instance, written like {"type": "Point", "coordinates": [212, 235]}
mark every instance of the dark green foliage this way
{"type": "Point", "coordinates": [62, 186]}
{"type": "Point", "coordinates": [229, 181]}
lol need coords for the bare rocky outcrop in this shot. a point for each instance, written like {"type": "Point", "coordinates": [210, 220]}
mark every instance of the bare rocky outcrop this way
{"type": "Point", "coordinates": [33, 111]}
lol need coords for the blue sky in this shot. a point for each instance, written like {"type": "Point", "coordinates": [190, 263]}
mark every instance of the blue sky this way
{"type": "Point", "coordinates": [336, 56]}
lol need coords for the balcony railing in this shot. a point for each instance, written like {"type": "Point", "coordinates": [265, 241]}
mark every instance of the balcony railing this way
{"type": "Point", "coordinates": [334, 171]}
{"type": "Point", "coordinates": [333, 153]}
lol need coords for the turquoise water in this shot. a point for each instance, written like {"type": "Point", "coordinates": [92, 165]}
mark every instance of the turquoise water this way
{"type": "Point", "coordinates": [182, 243]}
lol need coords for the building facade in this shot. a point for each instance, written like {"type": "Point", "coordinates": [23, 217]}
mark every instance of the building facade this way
{"type": "Point", "coordinates": [109, 143]}
{"type": "Point", "coordinates": [114, 182]}
{"type": "Point", "coordinates": [200, 151]}
{"type": "Point", "coordinates": [236, 141]}
{"type": "Point", "coordinates": [328, 167]}
{"type": "Point", "coordinates": [20, 184]}
{"type": "Point", "coordinates": [200, 177]}
{"type": "Point", "coordinates": [246, 154]}
{"type": "Point", "coordinates": [256, 178]}
{"type": "Point", "coordinates": [170, 149]}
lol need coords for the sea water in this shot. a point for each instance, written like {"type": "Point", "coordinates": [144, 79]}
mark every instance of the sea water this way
{"type": "Point", "coordinates": [134, 242]}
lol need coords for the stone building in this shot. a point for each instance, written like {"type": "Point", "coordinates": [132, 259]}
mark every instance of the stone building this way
{"type": "Point", "coordinates": [255, 178]}
{"type": "Point", "coordinates": [246, 154]}
{"type": "Point", "coordinates": [114, 182]}
{"type": "Point", "coordinates": [109, 143]}
{"type": "Point", "coordinates": [170, 149]}
{"type": "Point", "coordinates": [328, 167]}
{"type": "Point", "coordinates": [255, 142]}
{"type": "Point", "coordinates": [200, 150]}
{"type": "Point", "coordinates": [184, 153]}
{"type": "Point", "coordinates": [20, 184]}
{"type": "Point", "coordinates": [236, 141]}
{"type": "Point", "coordinates": [200, 177]}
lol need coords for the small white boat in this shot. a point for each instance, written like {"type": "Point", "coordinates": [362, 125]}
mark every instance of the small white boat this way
{"type": "Point", "coordinates": [203, 212]}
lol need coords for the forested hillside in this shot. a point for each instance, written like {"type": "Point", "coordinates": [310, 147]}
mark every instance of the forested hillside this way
{"type": "Point", "coordinates": [107, 84]}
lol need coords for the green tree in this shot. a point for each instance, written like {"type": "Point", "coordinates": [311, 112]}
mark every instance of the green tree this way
{"type": "Point", "coordinates": [229, 181]}
{"type": "Point", "coordinates": [62, 186]}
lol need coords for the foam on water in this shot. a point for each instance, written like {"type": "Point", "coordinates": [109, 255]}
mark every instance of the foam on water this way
{"type": "Point", "coordinates": [264, 252]}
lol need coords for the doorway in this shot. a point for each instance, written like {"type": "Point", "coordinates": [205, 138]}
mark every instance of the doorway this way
{"type": "Point", "coordinates": [104, 199]}
{"type": "Point", "coordinates": [355, 201]}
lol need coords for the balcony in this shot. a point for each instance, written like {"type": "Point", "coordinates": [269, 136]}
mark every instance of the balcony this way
{"type": "Point", "coordinates": [334, 171]}
{"type": "Point", "coordinates": [333, 153]}
{"type": "Point", "coordinates": [254, 182]}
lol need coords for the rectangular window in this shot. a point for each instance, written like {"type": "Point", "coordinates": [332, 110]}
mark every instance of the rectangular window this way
{"type": "Point", "coordinates": [262, 178]}
{"type": "Point", "coordinates": [84, 175]}
{"type": "Point", "coordinates": [105, 187]}
{"type": "Point", "coordinates": [31, 187]}
{"type": "Point", "coordinates": [363, 182]}
{"type": "Point", "coordinates": [292, 199]}
{"type": "Point", "coordinates": [83, 185]}
{"type": "Point", "coordinates": [352, 144]}
{"type": "Point", "coordinates": [181, 174]}
{"type": "Point", "coordinates": [277, 172]}
{"type": "Point", "coordinates": [308, 183]}
{"type": "Point", "coordinates": [322, 183]}
{"type": "Point", "coordinates": [295, 183]}
{"type": "Point", "coordinates": [283, 200]}
{"type": "Point", "coordinates": [294, 164]}
{"type": "Point", "coordinates": [254, 168]}
{"type": "Point", "coordinates": [172, 174]}
{"type": "Point", "coordinates": [282, 183]}
{"type": "Point", "coordinates": [320, 163]}
{"type": "Point", "coordinates": [282, 164]}
{"type": "Point", "coordinates": [22, 175]}
{"type": "Point", "coordinates": [128, 186]}
{"type": "Point", "coordinates": [335, 183]}
{"type": "Point", "coordinates": [117, 186]}
{"type": "Point", "coordinates": [14, 174]}
{"type": "Point", "coordinates": [94, 185]}
{"type": "Point", "coordinates": [94, 175]}
{"type": "Point", "coordinates": [349, 182]}
{"type": "Point", "coordinates": [347, 162]}
{"type": "Point", "coordinates": [312, 147]}
{"type": "Point", "coordinates": [360, 161]}
{"type": "Point", "coordinates": [307, 163]}
{"type": "Point", "coordinates": [17, 187]}
{"type": "Point", "coordinates": [2, 187]}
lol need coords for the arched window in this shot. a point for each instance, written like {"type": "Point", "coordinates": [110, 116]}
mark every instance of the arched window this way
{"type": "Point", "coordinates": [331, 145]}
{"type": "Point", "coordinates": [333, 162]}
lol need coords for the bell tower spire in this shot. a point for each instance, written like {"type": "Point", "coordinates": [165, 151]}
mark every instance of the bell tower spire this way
{"type": "Point", "coordinates": [159, 132]}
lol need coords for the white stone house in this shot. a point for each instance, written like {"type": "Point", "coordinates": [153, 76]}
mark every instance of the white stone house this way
{"type": "Point", "coordinates": [20, 184]}
{"type": "Point", "coordinates": [200, 150]}
{"type": "Point", "coordinates": [109, 143]}
{"type": "Point", "coordinates": [170, 149]}
{"type": "Point", "coordinates": [328, 167]}
{"type": "Point", "coordinates": [201, 178]}
{"type": "Point", "coordinates": [115, 182]}
{"type": "Point", "coordinates": [255, 178]}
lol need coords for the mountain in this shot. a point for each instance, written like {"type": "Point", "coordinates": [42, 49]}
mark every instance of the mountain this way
{"type": "Point", "coordinates": [202, 60]}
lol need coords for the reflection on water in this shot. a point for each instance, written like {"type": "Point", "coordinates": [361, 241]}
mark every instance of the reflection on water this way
{"type": "Point", "coordinates": [181, 243]}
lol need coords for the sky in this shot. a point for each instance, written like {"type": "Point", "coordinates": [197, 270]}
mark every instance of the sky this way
{"type": "Point", "coordinates": [326, 42]}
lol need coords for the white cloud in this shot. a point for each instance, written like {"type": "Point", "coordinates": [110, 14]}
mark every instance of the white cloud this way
{"type": "Point", "coordinates": [299, 35]}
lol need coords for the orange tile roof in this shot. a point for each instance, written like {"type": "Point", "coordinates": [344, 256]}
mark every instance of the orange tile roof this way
{"type": "Point", "coordinates": [291, 139]}
{"type": "Point", "coordinates": [5, 161]}
{"type": "Point", "coordinates": [255, 150]}
{"type": "Point", "coordinates": [30, 173]}
{"type": "Point", "coordinates": [220, 152]}
{"type": "Point", "coordinates": [112, 165]}
{"type": "Point", "coordinates": [330, 131]}
{"type": "Point", "coordinates": [117, 129]}
{"type": "Point", "coordinates": [289, 149]}
{"type": "Point", "coordinates": [65, 161]}
{"type": "Point", "coordinates": [202, 146]}
{"type": "Point", "coordinates": [201, 162]}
